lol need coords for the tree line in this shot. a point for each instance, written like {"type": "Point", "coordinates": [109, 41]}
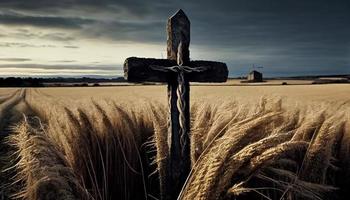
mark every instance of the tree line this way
{"type": "Point", "coordinates": [40, 82]}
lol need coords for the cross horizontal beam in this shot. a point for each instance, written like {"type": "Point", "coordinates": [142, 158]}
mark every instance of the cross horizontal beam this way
{"type": "Point", "coordinates": [140, 70]}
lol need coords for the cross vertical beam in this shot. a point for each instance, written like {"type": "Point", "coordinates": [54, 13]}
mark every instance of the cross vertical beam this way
{"type": "Point", "coordinates": [179, 162]}
{"type": "Point", "coordinates": [177, 71]}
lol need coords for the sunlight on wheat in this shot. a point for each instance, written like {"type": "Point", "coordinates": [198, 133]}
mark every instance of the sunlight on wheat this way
{"type": "Point", "coordinates": [117, 149]}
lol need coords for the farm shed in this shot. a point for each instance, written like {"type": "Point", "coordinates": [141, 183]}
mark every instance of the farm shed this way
{"type": "Point", "coordinates": [255, 76]}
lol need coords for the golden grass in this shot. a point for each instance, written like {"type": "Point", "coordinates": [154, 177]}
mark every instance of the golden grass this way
{"type": "Point", "coordinates": [106, 146]}
{"type": "Point", "coordinates": [42, 167]}
{"type": "Point", "coordinates": [216, 94]}
{"type": "Point", "coordinates": [7, 105]}
{"type": "Point", "coordinates": [86, 145]}
{"type": "Point", "coordinates": [233, 164]}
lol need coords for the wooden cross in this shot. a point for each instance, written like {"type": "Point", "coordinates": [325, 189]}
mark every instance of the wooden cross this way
{"type": "Point", "coordinates": [177, 70]}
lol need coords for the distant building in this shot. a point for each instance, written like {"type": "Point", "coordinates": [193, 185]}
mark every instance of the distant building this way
{"type": "Point", "coordinates": [255, 76]}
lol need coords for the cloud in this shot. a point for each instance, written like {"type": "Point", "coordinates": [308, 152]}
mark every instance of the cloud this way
{"type": "Point", "coordinates": [24, 45]}
{"type": "Point", "coordinates": [64, 61]}
{"type": "Point", "coordinates": [15, 59]}
{"type": "Point", "coordinates": [71, 47]}
{"type": "Point", "coordinates": [62, 67]}
{"type": "Point", "coordinates": [62, 37]}
{"type": "Point", "coordinates": [27, 33]}
{"type": "Point", "coordinates": [16, 19]}
{"type": "Point", "coordinates": [289, 35]}
{"type": "Point", "coordinates": [147, 32]}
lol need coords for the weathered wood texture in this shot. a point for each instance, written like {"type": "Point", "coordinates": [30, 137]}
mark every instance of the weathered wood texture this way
{"type": "Point", "coordinates": [139, 70]}
{"type": "Point", "coordinates": [178, 29]}
{"type": "Point", "coordinates": [177, 71]}
{"type": "Point", "coordinates": [179, 162]}
{"type": "Point", "coordinates": [215, 72]}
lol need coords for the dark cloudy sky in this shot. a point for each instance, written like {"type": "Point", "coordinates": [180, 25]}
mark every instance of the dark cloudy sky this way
{"type": "Point", "coordinates": [87, 37]}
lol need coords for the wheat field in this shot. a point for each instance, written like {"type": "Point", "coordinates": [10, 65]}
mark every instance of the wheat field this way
{"type": "Point", "coordinates": [247, 142]}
